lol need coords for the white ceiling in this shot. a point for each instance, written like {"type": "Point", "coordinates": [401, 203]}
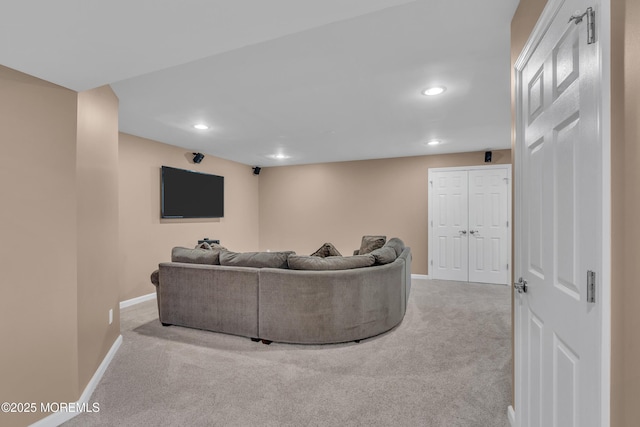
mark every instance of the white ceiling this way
{"type": "Point", "coordinates": [316, 80]}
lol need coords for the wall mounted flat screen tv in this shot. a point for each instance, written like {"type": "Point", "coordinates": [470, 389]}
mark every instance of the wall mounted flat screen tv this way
{"type": "Point", "coordinates": [189, 194]}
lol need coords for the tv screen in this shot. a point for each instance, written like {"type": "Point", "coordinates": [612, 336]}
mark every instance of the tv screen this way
{"type": "Point", "coordinates": [189, 194]}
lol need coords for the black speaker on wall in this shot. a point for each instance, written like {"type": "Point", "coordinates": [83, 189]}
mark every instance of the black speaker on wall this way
{"type": "Point", "coordinates": [256, 170]}
{"type": "Point", "coordinates": [487, 156]}
{"type": "Point", "coordinates": [197, 157]}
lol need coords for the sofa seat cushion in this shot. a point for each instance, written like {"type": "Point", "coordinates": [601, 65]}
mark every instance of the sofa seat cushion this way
{"type": "Point", "coordinates": [384, 255]}
{"type": "Point", "coordinates": [371, 243]}
{"type": "Point", "coordinates": [330, 263]}
{"type": "Point", "coordinates": [326, 250]}
{"type": "Point", "coordinates": [195, 256]}
{"type": "Point", "coordinates": [255, 259]}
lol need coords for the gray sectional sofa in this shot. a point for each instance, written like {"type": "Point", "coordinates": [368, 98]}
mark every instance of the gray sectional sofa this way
{"type": "Point", "coordinates": [279, 296]}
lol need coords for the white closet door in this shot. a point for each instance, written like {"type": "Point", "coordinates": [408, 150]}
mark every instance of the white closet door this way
{"type": "Point", "coordinates": [488, 227]}
{"type": "Point", "coordinates": [470, 235]}
{"type": "Point", "coordinates": [450, 225]}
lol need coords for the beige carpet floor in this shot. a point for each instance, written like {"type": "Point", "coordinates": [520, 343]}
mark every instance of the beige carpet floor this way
{"type": "Point", "coordinates": [447, 364]}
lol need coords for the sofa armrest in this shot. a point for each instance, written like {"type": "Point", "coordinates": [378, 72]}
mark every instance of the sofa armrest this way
{"type": "Point", "coordinates": [155, 278]}
{"type": "Point", "coordinates": [407, 257]}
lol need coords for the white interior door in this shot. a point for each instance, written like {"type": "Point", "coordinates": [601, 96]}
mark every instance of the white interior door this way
{"type": "Point", "coordinates": [469, 214]}
{"type": "Point", "coordinates": [559, 225]}
{"type": "Point", "coordinates": [450, 225]}
{"type": "Point", "coordinates": [489, 239]}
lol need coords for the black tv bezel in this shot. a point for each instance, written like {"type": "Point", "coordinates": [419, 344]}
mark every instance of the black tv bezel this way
{"type": "Point", "coordinates": [162, 196]}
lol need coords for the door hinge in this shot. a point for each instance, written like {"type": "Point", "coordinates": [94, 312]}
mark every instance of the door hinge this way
{"type": "Point", "coordinates": [432, 223]}
{"type": "Point", "coordinates": [590, 14]}
{"type": "Point", "coordinates": [591, 26]}
{"type": "Point", "coordinates": [431, 262]}
{"type": "Point", "coordinates": [591, 286]}
{"type": "Point", "coordinates": [507, 223]}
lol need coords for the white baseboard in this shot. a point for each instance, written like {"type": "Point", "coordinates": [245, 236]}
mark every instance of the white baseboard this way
{"type": "Point", "coordinates": [137, 300]}
{"type": "Point", "coordinates": [58, 418]}
{"type": "Point", "coordinates": [511, 414]}
{"type": "Point", "coordinates": [420, 276]}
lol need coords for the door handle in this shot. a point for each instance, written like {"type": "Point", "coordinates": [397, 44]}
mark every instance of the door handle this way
{"type": "Point", "coordinates": [474, 232]}
{"type": "Point", "coordinates": [463, 232]}
{"type": "Point", "coordinates": [520, 285]}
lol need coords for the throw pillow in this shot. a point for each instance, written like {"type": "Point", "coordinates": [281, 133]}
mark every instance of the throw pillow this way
{"type": "Point", "coordinates": [207, 245]}
{"type": "Point", "coordinates": [396, 244]}
{"type": "Point", "coordinates": [384, 255]}
{"type": "Point", "coordinates": [195, 256]}
{"type": "Point", "coordinates": [330, 263]}
{"type": "Point", "coordinates": [326, 250]}
{"type": "Point", "coordinates": [255, 259]}
{"type": "Point", "coordinates": [371, 243]}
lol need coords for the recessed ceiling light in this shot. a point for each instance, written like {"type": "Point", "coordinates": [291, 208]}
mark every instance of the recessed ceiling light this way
{"type": "Point", "coordinates": [279, 156]}
{"type": "Point", "coordinates": [433, 142]}
{"type": "Point", "coordinates": [201, 126]}
{"type": "Point", "coordinates": [436, 90]}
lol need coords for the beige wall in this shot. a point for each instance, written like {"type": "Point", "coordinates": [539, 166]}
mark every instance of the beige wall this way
{"type": "Point", "coordinates": [625, 233]}
{"type": "Point", "coordinates": [146, 240]}
{"type": "Point", "coordinates": [97, 190]}
{"type": "Point", "coordinates": [38, 311]}
{"type": "Point", "coordinates": [58, 180]}
{"type": "Point", "coordinates": [302, 207]}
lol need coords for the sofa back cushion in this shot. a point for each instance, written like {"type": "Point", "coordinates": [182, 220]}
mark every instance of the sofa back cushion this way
{"type": "Point", "coordinates": [195, 256]}
{"type": "Point", "coordinates": [396, 244]}
{"type": "Point", "coordinates": [384, 255]}
{"type": "Point", "coordinates": [255, 259]}
{"type": "Point", "coordinates": [330, 263]}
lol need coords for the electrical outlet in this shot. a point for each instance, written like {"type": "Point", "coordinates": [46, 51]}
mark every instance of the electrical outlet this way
{"type": "Point", "coordinates": [111, 316]}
